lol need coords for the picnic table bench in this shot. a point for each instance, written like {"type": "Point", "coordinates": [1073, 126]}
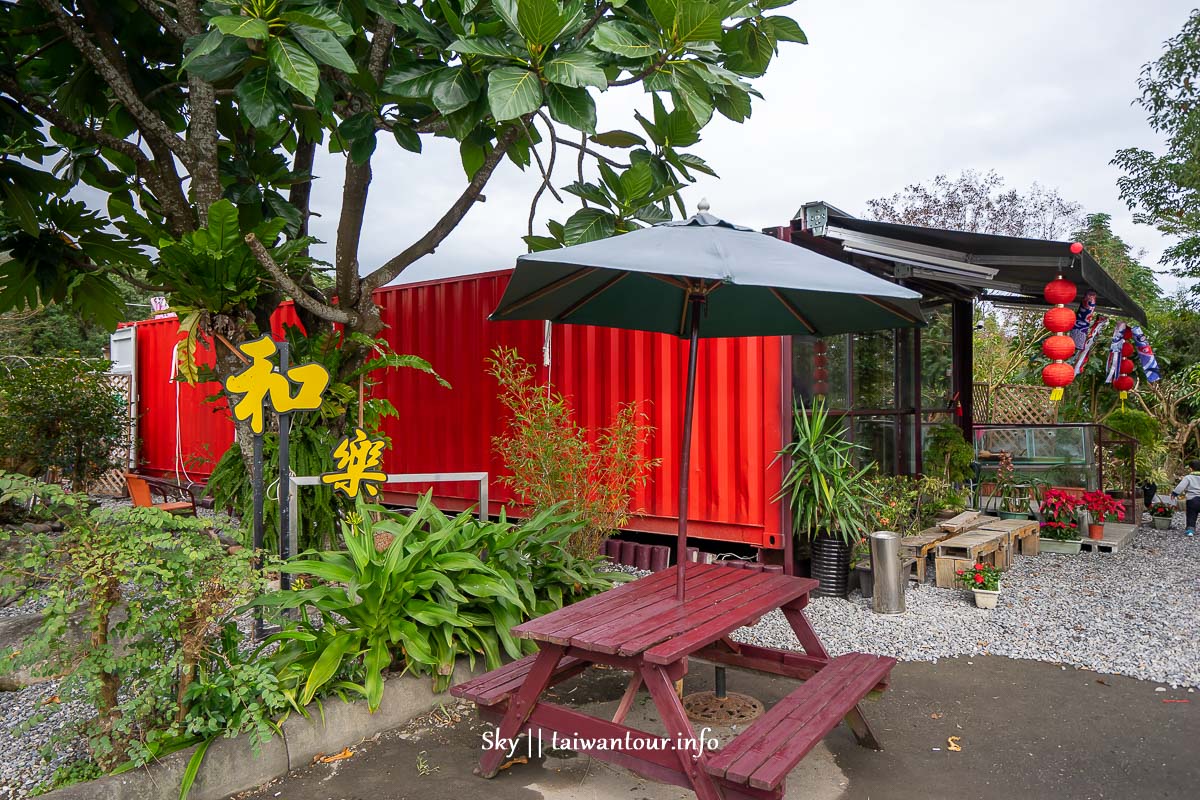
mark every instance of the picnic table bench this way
{"type": "Point", "coordinates": [642, 628]}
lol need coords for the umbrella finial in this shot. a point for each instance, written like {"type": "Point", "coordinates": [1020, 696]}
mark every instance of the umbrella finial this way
{"type": "Point", "coordinates": [703, 205]}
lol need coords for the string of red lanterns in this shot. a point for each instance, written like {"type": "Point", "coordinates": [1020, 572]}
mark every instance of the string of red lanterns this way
{"type": "Point", "coordinates": [1124, 380]}
{"type": "Point", "coordinates": [1058, 347]}
{"type": "Point", "coordinates": [820, 368]}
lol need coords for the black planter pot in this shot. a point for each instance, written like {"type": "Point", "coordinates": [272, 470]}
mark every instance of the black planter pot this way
{"type": "Point", "coordinates": [1148, 492]}
{"type": "Point", "coordinates": [866, 580]}
{"type": "Point", "coordinates": [830, 565]}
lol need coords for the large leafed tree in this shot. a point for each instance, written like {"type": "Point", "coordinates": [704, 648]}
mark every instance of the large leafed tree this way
{"type": "Point", "coordinates": [197, 125]}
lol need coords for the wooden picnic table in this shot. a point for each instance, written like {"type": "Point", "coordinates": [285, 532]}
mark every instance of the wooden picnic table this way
{"type": "Point", "coordinates": [642, 628]}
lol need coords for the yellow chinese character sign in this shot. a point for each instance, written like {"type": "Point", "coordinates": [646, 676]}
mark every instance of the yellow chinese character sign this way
{"type": "Point", "coordinates": [261, 383]}
{"type": "Point", "coordinates": [359, 460]}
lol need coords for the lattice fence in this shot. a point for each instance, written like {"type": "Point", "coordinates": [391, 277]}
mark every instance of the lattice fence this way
{"type": "Point", "coordinates": [1014, 404]}
{"type": "Point", "coordinates": [112, 483]}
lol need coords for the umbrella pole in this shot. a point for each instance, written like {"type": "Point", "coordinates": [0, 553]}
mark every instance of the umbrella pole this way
{"type": "Point", "coordinates": [685, 458]}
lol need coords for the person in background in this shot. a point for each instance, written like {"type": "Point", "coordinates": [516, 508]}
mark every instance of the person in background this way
{"type": "Point", "coordinates": [1189, 489]}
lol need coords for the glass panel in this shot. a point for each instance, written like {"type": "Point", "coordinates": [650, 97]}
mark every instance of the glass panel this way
{"type": "Point", "coordinates": [809, 357]}
{"type": "Point", "coordinates": [876, 437]}
{"type": "Point", "coordinates": [874, 370]}
{"type": "Point", "coordinates": [1058, 456]}
{"type": "Point", "coordinates": [936, 351]}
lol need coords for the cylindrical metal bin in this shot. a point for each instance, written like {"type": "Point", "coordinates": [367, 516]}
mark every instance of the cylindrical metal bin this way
{"type": "Point", "coordinates": [885, 565]}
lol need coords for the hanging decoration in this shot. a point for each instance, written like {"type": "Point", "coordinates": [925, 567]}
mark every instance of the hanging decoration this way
{"type": "Point", "coordinates": [820, 368]}
{"type": "Point", "coordinates": [1058, 347]}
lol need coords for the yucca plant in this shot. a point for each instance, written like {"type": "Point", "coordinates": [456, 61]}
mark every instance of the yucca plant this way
{"type": "Point", "coordinates": [826, 491]}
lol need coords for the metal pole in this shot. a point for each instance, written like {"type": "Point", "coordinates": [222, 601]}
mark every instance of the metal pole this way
{"type": "Point", "coordinates": [256, 480]}
{"type": "Point", "coordinates": [719, 683]}
{"type": "Point", "coordinates": [697, 304]}
{"type": "Point", "coordinates": [285, 478]}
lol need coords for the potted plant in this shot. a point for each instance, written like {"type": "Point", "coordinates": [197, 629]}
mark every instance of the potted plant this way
{"type": "Point", "coordinates": [1013, 498]}
{"type": "Point", "coordinates": [830, 499]}
{"type": "Point", "coordinates": [1060, 524]}
{"type": "Point", "coordinates": [984, 581]}
{"type": "Point", "coordinates": [1102, 506]}
{"type": "Point", "coordinates": [1162, 514]}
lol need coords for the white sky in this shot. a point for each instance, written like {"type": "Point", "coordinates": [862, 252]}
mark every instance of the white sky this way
{"type": "Point", "coordinates": [886, 94]}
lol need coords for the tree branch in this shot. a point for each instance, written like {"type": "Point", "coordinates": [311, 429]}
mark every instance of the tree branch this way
{"type": "Point", "coordinates": [601, 10]}
{"type": "Point", "coordinates": [449, 221]}
{"type": "Point", "coordinates": [124, 91]}
{"type": "Point", "coordinates": [546, 171]}
{"type": "Point", "coordinates": [293, 290]}
{"type": "Point", "coordinates": [69, 125]}
{"type": "Point", "coordinates": [583, 149]}
{"type": "Point", "coordinates": [162, 18]}
{"type": "Point", "coordinates": [646, 73]}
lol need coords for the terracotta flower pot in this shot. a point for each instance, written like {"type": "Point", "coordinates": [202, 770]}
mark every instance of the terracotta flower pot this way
{"type": "Point", "coordinates": [1096, 530]}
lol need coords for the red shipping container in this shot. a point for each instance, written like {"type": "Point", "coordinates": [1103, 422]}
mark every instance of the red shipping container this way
{"type": "Point", "coordinates": [741, 408]}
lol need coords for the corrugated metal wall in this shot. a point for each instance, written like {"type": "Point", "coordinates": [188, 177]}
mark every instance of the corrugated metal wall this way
{"type": "Point", "coordinates": [738, 415]}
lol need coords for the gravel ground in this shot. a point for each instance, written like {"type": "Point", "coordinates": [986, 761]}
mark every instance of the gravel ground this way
{"type": "Point", "coordinates": [1135, 613]}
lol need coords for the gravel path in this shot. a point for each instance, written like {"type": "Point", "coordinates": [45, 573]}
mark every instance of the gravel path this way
{"type": "Point", "coordinates": [1135, 613]}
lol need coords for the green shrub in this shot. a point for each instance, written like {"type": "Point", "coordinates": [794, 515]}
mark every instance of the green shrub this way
{"type": "Point", "coordinates": [948, 455]}
{"type": "Point", "coordinates": [554, 461]}
{"type": "Point", "coordinates": [61, 414]}
{"type": "Point", "coordinates": [425, 589]}
{"type": "Point", "coordinates": [150, 594]}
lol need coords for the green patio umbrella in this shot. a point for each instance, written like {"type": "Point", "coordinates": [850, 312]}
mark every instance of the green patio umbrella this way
{"type": "Point", "coordinates": [703, 277]}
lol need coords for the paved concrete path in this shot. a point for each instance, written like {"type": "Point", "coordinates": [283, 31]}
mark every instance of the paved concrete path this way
{"type": "Point", "coordinates": [1026, 729]}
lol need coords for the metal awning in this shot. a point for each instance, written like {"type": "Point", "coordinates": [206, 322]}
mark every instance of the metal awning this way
{"type": "Point", "coordinates": [1006, 270]}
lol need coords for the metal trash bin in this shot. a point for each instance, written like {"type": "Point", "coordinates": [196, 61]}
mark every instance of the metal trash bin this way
{"type": "Point", "coordinates": [888, 597]}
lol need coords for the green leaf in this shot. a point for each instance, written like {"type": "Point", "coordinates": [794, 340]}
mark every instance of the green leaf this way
{"type": "Point", "coordinates": [455, 89]}
{"type": "Point", "coordinates": [540, 21]}
{"type": "Point", "coordinates": [482, 46]}
{"type": "Point", "coordinates": [206, 44]}
{"type": "Point", "coordinates": [572, 107]}
{"type": "Point", "coordinates": [294, 66]}
{"type": "Point", "coordinates": [193, 768]}
{"type": "Point", "coordinates": [242, 27]}
{"type": "Point", "coordinates": [618, 138]}
{"type": "Point", "coordinates": [407, 138]}
{"type": "Point", "coordinates": [619, 39]}
{"type": "Point", "coordinates": [539, 243]}
{"type": "Point", "coordinates": [588, 225]}
{"type": "Point", "coordinates": [576, 69]}
{"type": "Point", "coordinates": [259, 99]}
{"type": "Point", "coordinates": [786, 29]}
{"type": "Point", "coordinates": [324, 47]}
{"type": "Point", "coordinates": [413, 81]}
{"type": "Point", "coordinates": [637, 180]}
{"type": "Point", "coordinates": [733, 103]}
{"type": "Point", "coordinates": [327, 664]}
{"type": "Point", "coordinates": [700, 21]}
{"type": "Point", "coordinates": [223, 225]}
{"type": "Point", "coordinates": [513, 92]}
{"type": "Point", "coordinates": [317, 17]}
{"type": "Point", "coordinates": [749, 50]}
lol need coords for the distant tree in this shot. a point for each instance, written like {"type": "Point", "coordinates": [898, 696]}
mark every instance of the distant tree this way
{"type": "Point", "coordinates": [980, 203]}
{"type": "Point", "coordinates": [1119, 260]}
{"type": "Point", "coordinates": [1163, 189]}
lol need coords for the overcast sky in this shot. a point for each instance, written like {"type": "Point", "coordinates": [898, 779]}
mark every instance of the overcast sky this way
{"type": "Point", "coordinates": [886, 94]}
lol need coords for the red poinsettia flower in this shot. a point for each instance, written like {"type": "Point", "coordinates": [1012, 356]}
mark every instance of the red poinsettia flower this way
{"type": "Point", "coordinates": [960, 572]}
{"type": "Point", "coordinates": [979, 566]}
{"type": "Point", "coordinates": [978, 578]}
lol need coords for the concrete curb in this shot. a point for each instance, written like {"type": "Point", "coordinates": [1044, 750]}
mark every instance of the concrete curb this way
{"type": "Point", "coordinates": [231, 765]}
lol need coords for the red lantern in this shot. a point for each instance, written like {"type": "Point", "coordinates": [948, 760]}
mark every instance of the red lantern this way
{"type": "Point", "coordinates": [820, 347]}
{"type": "Point", "coordinates": [1126, 366]}
{"type": "Point", "coordinates": [1128, 334]}
{"type": "Point", "coordinates": [820, 361]}
{"type": "Point", "coordinates": [820, 387]}
{"type": "Point", "coordinates": [1059, 320]}
{"type": "Point", "coordinates": [1076, 247]}
{"type": "Point", "coordinates": [821, 375]}
{"type": "Point", "coordinates": [1057, 374]}
{"type": "Point", "coordinates": [1060, 292]}
{"type": "Point", "coordinates": [1127, 350]}
{"type": "Point", "coordinates": [1058, 347]}
{"type": "Point", "coordinates": [1123, 384]}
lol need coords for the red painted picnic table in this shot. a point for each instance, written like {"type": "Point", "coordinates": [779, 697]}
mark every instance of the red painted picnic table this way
{"type": "Point", "coordinates": [641, 627]}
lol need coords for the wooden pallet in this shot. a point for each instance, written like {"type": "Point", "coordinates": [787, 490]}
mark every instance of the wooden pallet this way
{"type": "Point", "coordinates": [1021, 537]}
{"type": "Point", "coordinates": [1115, 538]}
{"type": "Point", "coordinates": [963, 522]}
{"type": "Point", "coordinates": [921, 545]}
{"type": "Point", "coordinates": [973, 545]}
{"type": "Point", "coordinates": [946, 569]}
